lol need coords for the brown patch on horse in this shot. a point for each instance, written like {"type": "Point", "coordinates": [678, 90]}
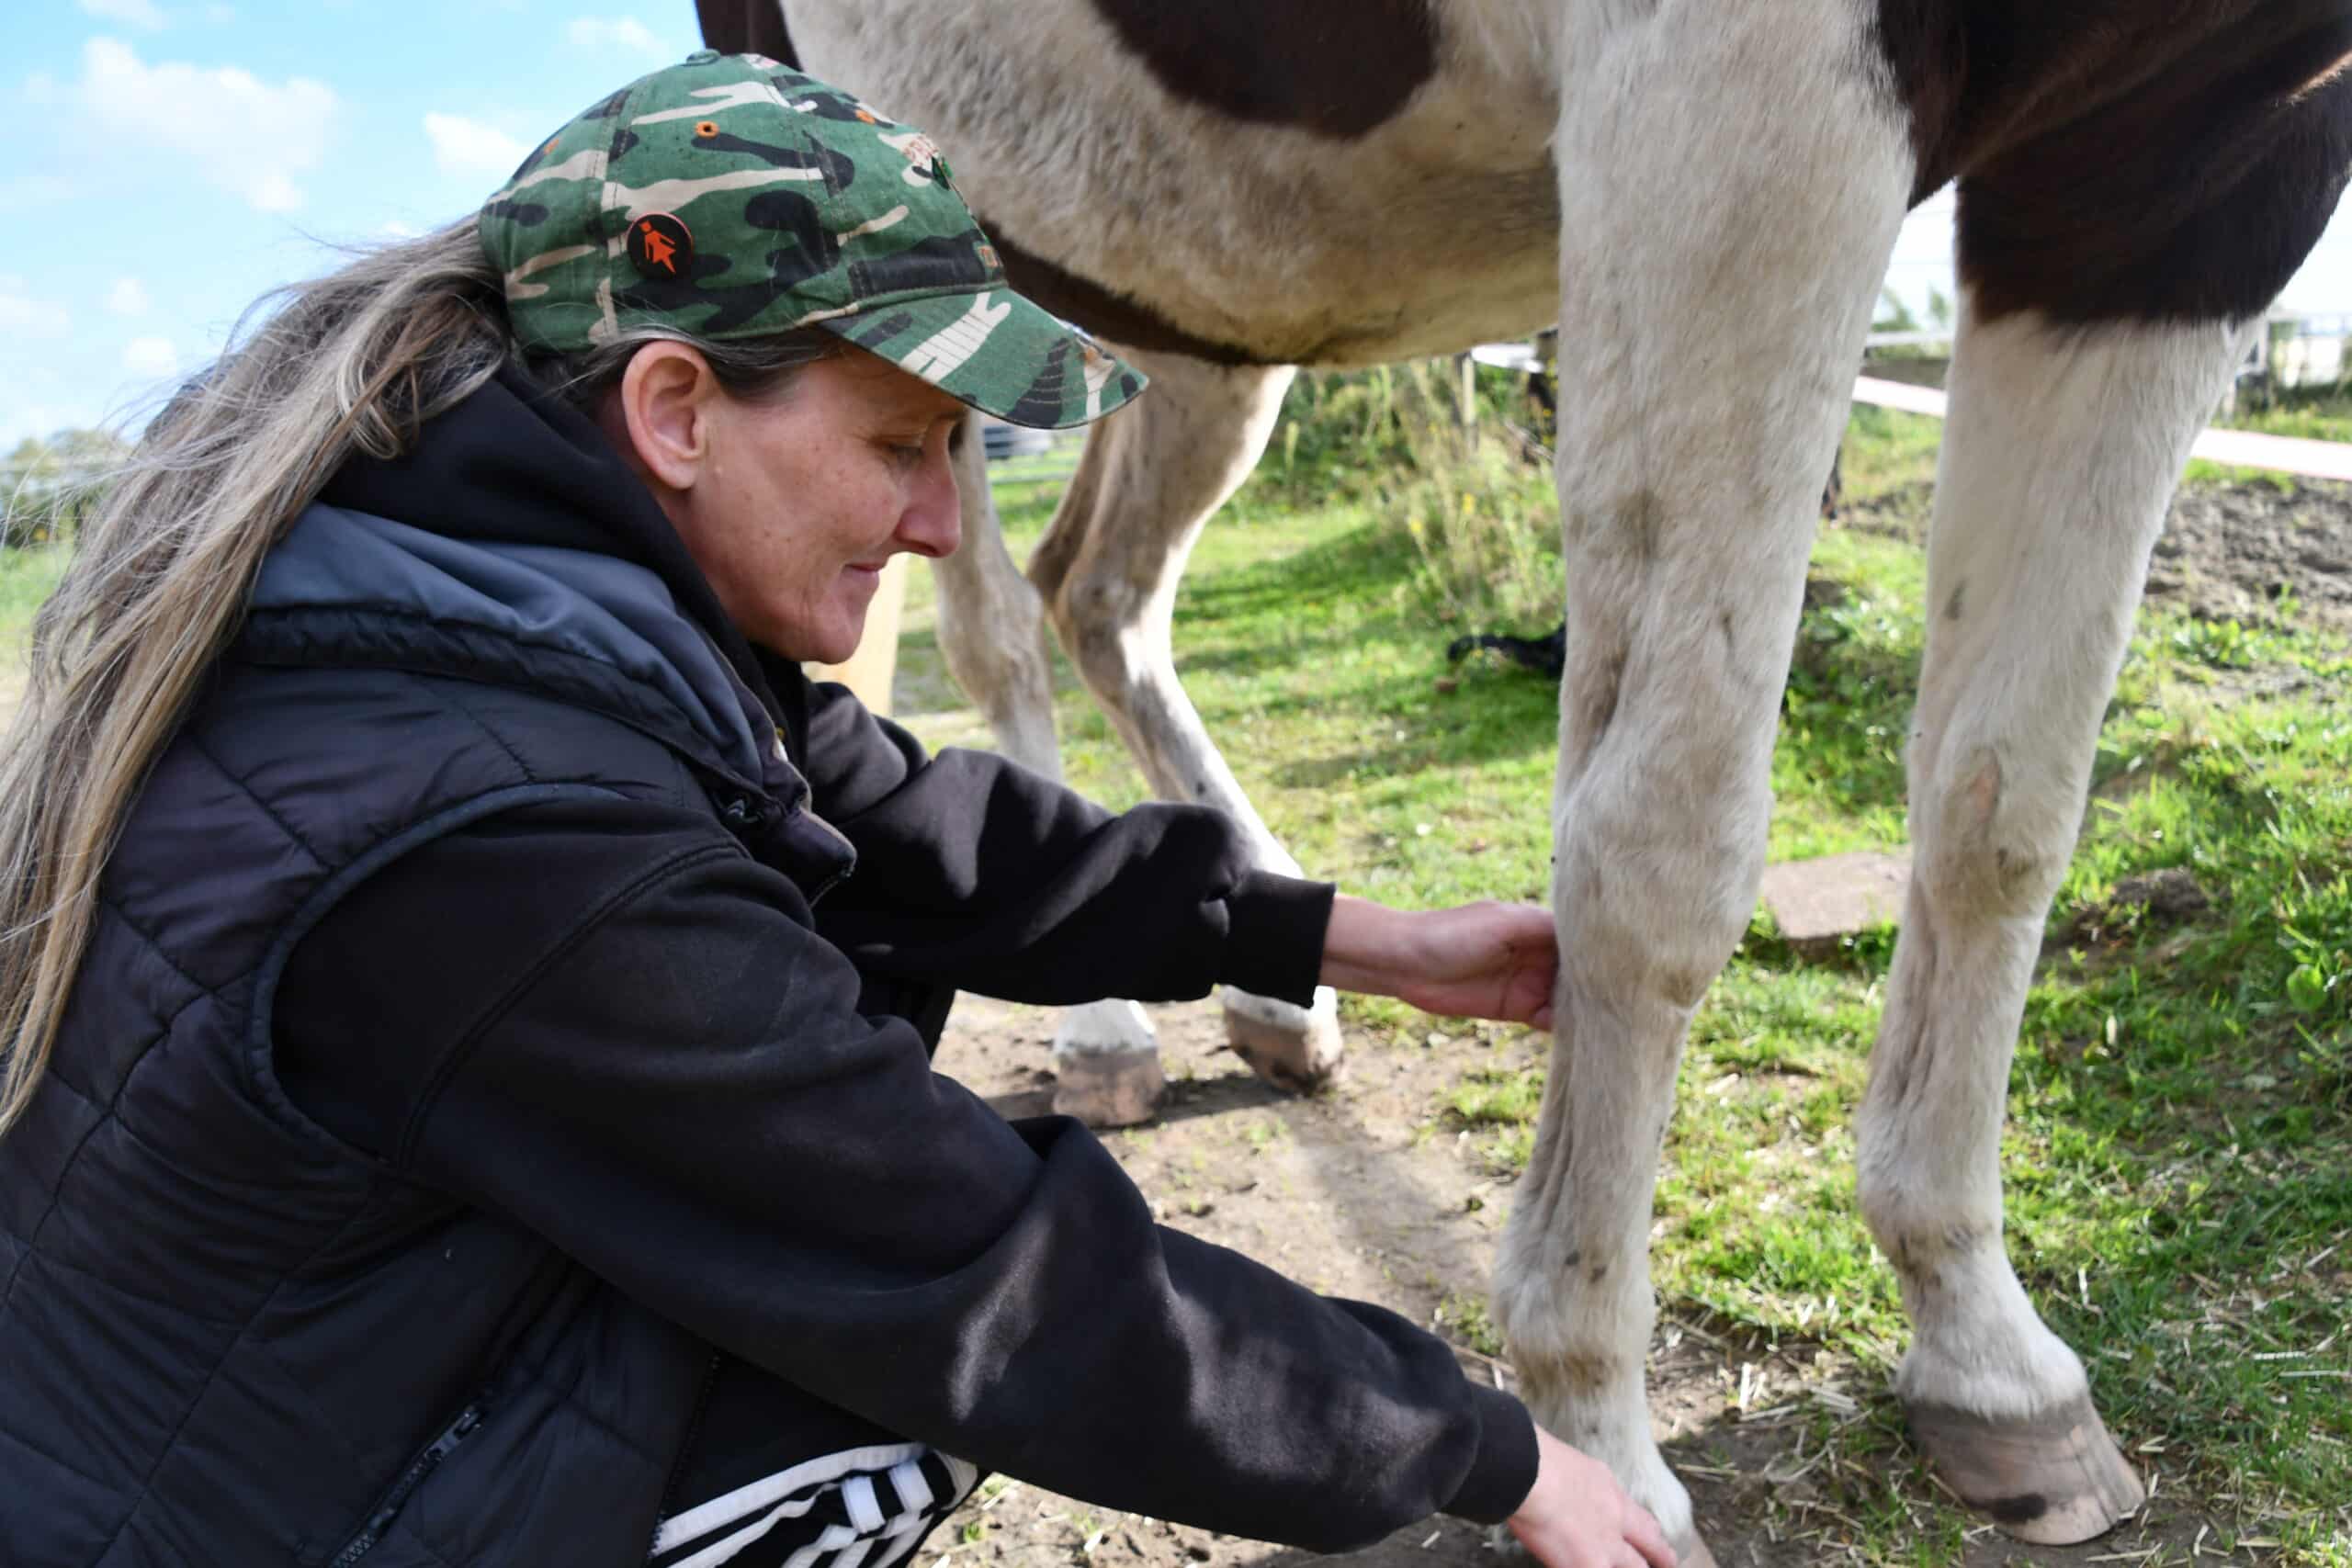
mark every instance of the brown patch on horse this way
{"type": "Point", "coordinates": [1335, 70]}
{"type": "Point", "coordinates": [2125, 160]}
{"type": "Point", "coordinates": [746, 27]}
{"type": "Point", "coordinates": [1121, 319]}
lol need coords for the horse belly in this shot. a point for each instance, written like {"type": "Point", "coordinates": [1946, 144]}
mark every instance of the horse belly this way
{"type": "Point", "coordinates": [1434, 229]}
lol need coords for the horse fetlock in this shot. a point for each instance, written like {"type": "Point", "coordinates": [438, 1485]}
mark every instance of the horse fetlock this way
{"type": "Point", "coordinates": [1978, 1345]}
{"type": "Point", "coordinates": [1924, 1224]}
{"type": "Point", "coordinates": [1608, 1425]}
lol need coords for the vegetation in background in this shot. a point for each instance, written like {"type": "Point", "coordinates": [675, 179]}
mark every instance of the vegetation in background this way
{"type": "Point", "coordinates": [45, 485]}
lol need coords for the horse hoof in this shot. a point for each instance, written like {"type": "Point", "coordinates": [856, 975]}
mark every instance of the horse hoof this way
{"type": "Point", "coordinates": [1106, 1066]}
{"type": "Point", "coordinates": [1108, 1089]}
{"type": "Point", "coordinates": [1291, 1047]}
{"type": "Point", "coordinates": [2051, 1479]}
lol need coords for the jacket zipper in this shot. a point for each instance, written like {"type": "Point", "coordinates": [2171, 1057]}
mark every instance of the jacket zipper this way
{"type": "Point", "coordinates": [423, 1464]}
{"type": "Point", "coordinates": [686, 1448]}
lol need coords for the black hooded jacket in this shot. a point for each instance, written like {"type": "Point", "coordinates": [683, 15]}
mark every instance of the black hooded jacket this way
{"type": "Point", "coordinates": [499, 1005]}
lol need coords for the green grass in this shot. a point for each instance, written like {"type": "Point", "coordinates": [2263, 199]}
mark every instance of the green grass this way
{"type": "Point", "coordinates": [2180, 1114]}
{"type": "Point", "coordinates": [26, 577]}
{"type": "Point", "coordinates": [2319, 414]}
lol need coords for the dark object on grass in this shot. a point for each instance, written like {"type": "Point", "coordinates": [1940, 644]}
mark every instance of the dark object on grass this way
{"type": "Point", "coordinates": [1545, 655]}
{"type": "Point", "coordinates": [1549, 655]}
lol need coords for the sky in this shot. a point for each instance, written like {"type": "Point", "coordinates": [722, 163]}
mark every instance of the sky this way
{"type": "Point", "coordinates": [175, 159]}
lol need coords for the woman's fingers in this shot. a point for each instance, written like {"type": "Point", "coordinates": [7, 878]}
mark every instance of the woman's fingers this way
{"type": "Point", "coordinates": [1641, 1532]}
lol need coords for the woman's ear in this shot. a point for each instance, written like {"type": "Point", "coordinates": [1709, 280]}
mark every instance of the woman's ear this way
{"type": "Point", "coordinates": [664, 402]}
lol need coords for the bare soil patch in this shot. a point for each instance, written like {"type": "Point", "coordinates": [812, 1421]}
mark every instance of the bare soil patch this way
{"type": "Point", "coordinates": [2247, 552]}
{"type": "Point", "coordinates": [2254, 552]}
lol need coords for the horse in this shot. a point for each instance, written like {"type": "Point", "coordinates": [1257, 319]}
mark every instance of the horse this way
{"type": "Point", "coordinates": [1704, 198]}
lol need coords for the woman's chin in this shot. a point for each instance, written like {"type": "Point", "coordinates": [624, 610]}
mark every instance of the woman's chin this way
{"type": "Point", "coordinates": [835, 643]}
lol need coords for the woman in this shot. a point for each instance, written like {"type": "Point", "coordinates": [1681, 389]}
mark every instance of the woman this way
{"type": "Point", "coordinates": [461, 1107]}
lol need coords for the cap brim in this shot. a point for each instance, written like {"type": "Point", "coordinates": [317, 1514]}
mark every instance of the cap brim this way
{"type": "Point", "coordinates": [999, 354]}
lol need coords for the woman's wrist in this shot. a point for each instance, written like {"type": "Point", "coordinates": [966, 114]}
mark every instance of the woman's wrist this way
{"type": "Point", "coordinates": [1365, 948]}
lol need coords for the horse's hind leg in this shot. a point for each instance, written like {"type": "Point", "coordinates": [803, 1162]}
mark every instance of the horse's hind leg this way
{"type": "Point", "coordinates": [2061, 449]}
{"type": "Point", "coordinates": [1108, 568]}
{"type": "Point", "coordinates": [993, 636]}
{"type": "Point", "coordinates": [1732, 180]}
{"type": "Point", "coordinates": [991, 623]}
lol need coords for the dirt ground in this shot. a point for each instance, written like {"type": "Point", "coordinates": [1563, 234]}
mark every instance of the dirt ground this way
{"type": "Point", "coordinates": [2255, 553]}
{"type": "Point", "coordinates": [2238, 552]}
{"type": "Point", "coordinates": [1365, 1191]}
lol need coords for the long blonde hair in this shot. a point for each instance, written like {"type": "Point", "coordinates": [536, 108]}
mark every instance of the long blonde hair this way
{"type": "Point", "coordinates": [351, 363]}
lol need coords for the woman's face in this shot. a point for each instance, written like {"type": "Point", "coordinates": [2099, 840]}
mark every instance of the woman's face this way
{"type": "Point", "coordinates": [791, 506]}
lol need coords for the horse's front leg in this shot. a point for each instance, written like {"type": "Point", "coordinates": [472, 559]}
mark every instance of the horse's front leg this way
{"type": "Point", "coordinates": [2061, 453]}
{"type": "Point", "coordinates": [1731, 181]}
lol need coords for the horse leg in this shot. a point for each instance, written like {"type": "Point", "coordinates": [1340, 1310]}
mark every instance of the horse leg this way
{"type": "Point", "coordinates": [2060, 452]}
{"type": "Point", "coordinates": [1731, 181]}
{"type": "Point", "coordinates": [992, 634]}
{"type": "Point", "coordinates": [1108, 568]}
{"type": "Point", "coordinates": [992, 622]}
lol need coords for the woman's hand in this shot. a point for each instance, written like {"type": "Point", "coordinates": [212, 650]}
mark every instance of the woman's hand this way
{"type": "Point", "coordinates": [1577, 1517]}
{"type": "Point", "coordinates": [1484, 959]}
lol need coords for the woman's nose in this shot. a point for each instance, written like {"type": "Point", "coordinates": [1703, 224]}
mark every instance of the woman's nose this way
{"type": "Point", "coordinates": [932, 524]}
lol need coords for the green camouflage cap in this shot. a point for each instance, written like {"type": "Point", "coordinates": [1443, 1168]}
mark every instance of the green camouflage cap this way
{"type": "Point", "coordinates": [732, 197]}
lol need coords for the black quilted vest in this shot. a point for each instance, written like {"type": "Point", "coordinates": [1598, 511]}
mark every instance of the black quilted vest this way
{"type": "Point", "coordinates": [226, 1338]}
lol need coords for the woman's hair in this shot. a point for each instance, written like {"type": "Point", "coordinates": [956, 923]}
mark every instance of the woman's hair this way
{"type": "Point", "coordinates": [317, 373]}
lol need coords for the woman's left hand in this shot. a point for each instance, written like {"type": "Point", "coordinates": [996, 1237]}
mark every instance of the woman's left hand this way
{"type": "Point", "coordinates": [1485, 960]}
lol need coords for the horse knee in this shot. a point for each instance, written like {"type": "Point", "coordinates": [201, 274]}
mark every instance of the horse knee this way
{"type": "Point", "coordinates": [1651, 919]}
{"type": "Point", "coordinates": [1994, 836]}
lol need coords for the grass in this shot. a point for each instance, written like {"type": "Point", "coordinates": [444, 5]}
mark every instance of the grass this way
{"type": "Point", "coordinates": [26, 577]}
{"type": "Point", "coordinates": [2316, 413]}
{"type": "Point", "coordinates": [2180, 1112]}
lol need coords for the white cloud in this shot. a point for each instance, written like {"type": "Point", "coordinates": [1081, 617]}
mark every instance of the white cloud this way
{"type": "Point", "coordinates": [462, 146]}
{"type": "Point", "coordinates": [624, 33]}
{"type": "Point", "coordinates": [24, 316]}
{"type": "Point", "coordinates": [151, 356]}
{"type": "Point", "coordinates": [236, 131]}
{"type": "Point", "coordinates": [396, 230]}
{"type": "Point", "coordinates": [128, 298]}
{"type": "Point", "coordinates": [24, 190]}
{"type": "Point", "coordinates": [136, 12]}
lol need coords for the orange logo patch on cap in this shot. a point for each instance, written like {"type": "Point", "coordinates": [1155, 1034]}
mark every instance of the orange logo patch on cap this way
{"type": "Point", "coordinates": [662, 246]}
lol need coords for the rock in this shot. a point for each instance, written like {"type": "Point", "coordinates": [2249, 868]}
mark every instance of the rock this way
{"type": "Point", "coordinates": [2172, 894]}
{"type": "Point", "coordinates": [1815, 902]}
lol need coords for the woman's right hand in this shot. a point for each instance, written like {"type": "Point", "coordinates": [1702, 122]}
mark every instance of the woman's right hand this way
{"type": "Point", "coordinates": [1577, 1517]}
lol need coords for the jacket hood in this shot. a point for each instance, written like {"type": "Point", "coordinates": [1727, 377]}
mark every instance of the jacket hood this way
{"type": "Point", "coordinates": [512, 542]}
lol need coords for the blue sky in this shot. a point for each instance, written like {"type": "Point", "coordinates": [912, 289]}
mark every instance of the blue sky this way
{"type": "Point", "coordinates": [176, 158]}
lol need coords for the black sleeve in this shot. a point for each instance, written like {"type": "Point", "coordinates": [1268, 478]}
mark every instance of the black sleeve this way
{"type": "Point", "coordinates": [633, 1046]}
{"type": "Point", "coordinates": [977, 873]}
